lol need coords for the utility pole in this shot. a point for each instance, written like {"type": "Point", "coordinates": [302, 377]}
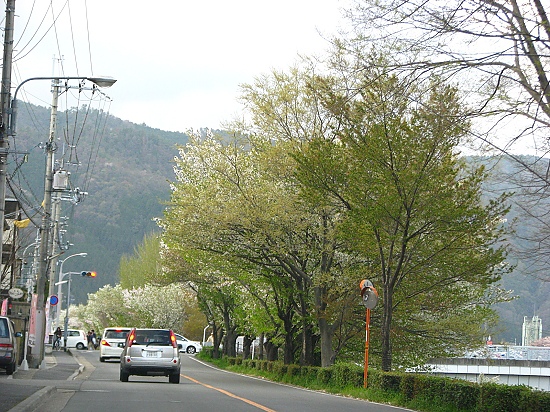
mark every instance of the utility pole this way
{"type": "Point", "coordinates": [5, 98]}
{"type": "Point", "coordinates": [44, 261]}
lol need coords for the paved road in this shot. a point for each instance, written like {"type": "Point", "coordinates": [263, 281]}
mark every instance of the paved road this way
{"type": "Point", "coordinates": [202, 388]}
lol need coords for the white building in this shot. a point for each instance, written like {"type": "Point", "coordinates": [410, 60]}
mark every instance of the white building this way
{"type": "Point", "coordinates": [531, 330]}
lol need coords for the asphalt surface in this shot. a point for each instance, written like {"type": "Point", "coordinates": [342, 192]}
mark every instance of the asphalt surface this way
{"type": "Point", "coordinates": [25, 389]}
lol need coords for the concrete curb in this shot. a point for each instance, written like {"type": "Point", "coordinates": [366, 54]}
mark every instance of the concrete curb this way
{"type": "Point", "coordinates": [77, 372]}
{"type": "Point", "coordinates": [32, 401]}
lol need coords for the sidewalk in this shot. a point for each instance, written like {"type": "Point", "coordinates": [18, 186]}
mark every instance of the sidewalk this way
{"type": "Point", "coordinates": [25, 388]}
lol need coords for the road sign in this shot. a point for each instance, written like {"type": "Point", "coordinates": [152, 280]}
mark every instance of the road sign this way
{"type": "Point", "coordinates": [15, 293]}
{"type": "Point", "coordinates": [54, 300]}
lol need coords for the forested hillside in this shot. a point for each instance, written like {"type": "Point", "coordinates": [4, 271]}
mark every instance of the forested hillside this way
{"type": "Point", "coordinates": [126, 168]}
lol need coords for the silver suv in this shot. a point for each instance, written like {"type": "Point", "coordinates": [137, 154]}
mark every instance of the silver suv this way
{"type": "Point", "coordinates": [150, 352]}
{"type": "Point", "coordinates": [8, 345]}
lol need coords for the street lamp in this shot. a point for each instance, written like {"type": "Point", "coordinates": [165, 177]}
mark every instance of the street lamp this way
{"type": "Point", "coordinates": [102, 82]}
{"type": "Point", "coordinates": [369, 299]}
{"type": "Point", "coordinates": [59, 288]}
{"type": "Point", "coordinates": [66, 323]}
{"type": "Point", "coordinates": [38, 350]}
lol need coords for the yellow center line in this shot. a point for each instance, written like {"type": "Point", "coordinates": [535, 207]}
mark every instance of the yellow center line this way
{"type": "Point", "coordinates": [257, 405]}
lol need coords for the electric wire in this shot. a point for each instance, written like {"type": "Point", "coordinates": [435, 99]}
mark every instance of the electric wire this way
{"type": "Point", "coordinates": [30, 216]}
{"type": "Point", "coordinates": [62, 71]}
{"type": "Point", "coordinates": [18, 56]}
{"type": "Point", "coordinates": [88, 32]}
{"type": "Point", "coordinates": [27, 25]}
{"type": "Point", "coordinates": [74, 123]}
{"type": "Point", "coordinates": [72, 40]}
{"type": "Point", "coordinates": [93, 161]}
{"type": "Point", "coordinates": [96, 140]}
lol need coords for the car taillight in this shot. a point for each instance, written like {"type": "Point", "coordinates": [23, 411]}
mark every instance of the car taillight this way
{"type": "Point", "coordinates": [173, 339]}
{"type": "Point", "coordinates": [6, 345]}
{"type": "Point", "coordinates": [104, 342]}
{"type": "Point", "coordinates": [131, 337]}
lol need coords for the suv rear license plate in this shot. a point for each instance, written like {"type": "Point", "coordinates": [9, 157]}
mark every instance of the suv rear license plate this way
{"type": "Point", "coordinates": [152, 354]}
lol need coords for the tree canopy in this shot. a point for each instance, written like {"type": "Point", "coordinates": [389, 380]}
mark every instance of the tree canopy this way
{"type": "Point", "coordinates": [327, 185]}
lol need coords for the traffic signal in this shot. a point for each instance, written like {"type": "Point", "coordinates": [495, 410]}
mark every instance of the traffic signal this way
{"type": "Point", "coordinates": [89, 274]}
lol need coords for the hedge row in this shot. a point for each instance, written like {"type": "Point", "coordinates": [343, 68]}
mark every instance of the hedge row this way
{"type": "Point", "coordinates": [464, 395]}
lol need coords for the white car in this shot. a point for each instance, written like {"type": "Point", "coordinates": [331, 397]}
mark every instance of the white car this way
{"type": "Point", "coordinates": [112, 343]}
{"type": "Point", "coordinates": [75, 339]}
{"type": "Point", "coordinates": [187, 346]}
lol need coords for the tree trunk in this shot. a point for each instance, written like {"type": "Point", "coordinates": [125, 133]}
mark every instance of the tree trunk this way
{"type": "Point", "coordinates": [306, 358]}
{"type": "Point", "coordinates": [271, 351]}
{"type": "Point", "coordinates": [327, 353]}
{"type": "Point", "coordinates": [230, 336]}
{"type": "Point", "coordinates": [217, 334]}
{"type": "Point", "coordinates": [288, 357]}
{"type": "Point", "coordinates": [326, 330]}
{"type": "Point", "coordinates": [247, 342]}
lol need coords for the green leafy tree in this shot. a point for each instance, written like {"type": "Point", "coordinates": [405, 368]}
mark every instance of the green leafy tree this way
{"type": "Point", "coordinates": [413, 211]}
{"type": "Point", "coordinates": [285, 108]}
{"type": "Point", "coordinates": [497, 53]}
{"type": "Point", "coordinates": [143, 267]}
{"type": "Point", "coordinates": [235, 198]}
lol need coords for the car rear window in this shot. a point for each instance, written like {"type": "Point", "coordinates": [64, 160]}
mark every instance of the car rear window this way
{"type": "Point", "coordinates": [116, 334]}
{"type": "Point", "coordinates": [4, 331]}
{"type": "Point", "coordinates": [150, 337]}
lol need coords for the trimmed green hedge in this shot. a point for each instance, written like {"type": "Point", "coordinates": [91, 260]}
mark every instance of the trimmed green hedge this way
{"type": "Point", "coordinates": [465, 396]}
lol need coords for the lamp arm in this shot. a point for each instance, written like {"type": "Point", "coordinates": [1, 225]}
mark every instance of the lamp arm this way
{"type": "Point", "coordinates": [12, 110]}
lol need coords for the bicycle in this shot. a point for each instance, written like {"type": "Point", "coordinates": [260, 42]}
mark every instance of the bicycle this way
{"type": "Point", "coordinates": [57, 344]}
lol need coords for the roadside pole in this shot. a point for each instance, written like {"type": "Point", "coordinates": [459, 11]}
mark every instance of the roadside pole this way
{"type": "Point", "coordinates": [5, 99]}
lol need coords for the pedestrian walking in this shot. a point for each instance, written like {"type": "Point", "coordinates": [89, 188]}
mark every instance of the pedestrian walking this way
{"type": "Point", "coordinates": [94, 339]}
{"type": "Point", "coordinates": [90, 343]}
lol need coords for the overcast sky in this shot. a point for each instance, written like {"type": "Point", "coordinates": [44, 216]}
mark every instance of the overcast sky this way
{"type": "Point", "coordinates": [178, 63]}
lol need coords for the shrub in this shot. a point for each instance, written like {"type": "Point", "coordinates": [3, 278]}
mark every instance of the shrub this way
{"type": "Point", "coordinates": [502, 398]}
{"type": "Point", "coordinates": [347, 374]}
{"type": "Point", "coordinates": [390, 381]}
{"type": "Point", "coordinates": [324, 375]}
{"type": "Point", "coordinates": [534, 401]}
{"type": "Point", "coordinates": [462, 394]}
{"type": "Point", "coordinates": [207, 353]}
{"type": "Point", "coordinates": [293, 370]}
{"type": "Point", "coordinates": [279, 368]}
{"type": "Point", "coordinates": [406, 386]}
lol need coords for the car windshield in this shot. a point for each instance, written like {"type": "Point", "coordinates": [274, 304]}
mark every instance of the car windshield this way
{"type": "Point", "coordinates": [152, 337]}
{"type": "Point", "coordinates": [116, 334]}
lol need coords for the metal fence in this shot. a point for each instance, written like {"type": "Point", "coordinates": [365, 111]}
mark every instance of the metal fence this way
{"type": "Point", "coordinates": [511, 352]}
